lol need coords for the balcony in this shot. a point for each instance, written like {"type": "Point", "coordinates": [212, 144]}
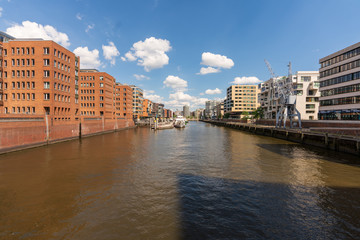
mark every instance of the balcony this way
{"type": "Point", "coordinates": [1, 103]}
{"type": "Point", "coordinates": [314, 85]}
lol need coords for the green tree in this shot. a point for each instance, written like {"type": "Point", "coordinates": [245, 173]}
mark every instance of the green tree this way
{"type": "Point", "coordinates": [245, 115]}
{"type": "Point", "coordinates": [259, 113]}
{"type": "Point", "coordinates": [226, 115]}
{"type": "Point", "coordinates": [220, 116]}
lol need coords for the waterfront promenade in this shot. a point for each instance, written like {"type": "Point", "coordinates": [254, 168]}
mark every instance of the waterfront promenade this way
{"type": "Point", "coordinates": [201, 182]}
{"type": "Point", "coordinates": [338, 139]}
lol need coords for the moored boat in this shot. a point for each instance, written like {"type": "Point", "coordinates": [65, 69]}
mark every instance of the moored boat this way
{"type": "Point", "coordinates": [180, 122]}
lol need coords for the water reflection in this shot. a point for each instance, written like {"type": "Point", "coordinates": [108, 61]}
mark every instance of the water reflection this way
{"type": "Point", "coordinates": [202, 182]}
{"type": "Point", "coordinates": [219, 208]}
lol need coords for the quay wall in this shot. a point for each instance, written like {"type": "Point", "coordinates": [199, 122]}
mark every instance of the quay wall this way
{"type": "Point", "coordinates": [22, 132]}
{"type": "Point", "coordinates": [325, 140]}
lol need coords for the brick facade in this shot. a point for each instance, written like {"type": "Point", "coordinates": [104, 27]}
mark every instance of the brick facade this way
{"type": "Point", "coordinates": [97, 94]}
{"type": "Point", "coordinates": [123, 101]}
{"type": "Point", "coordinates": [38, 77]}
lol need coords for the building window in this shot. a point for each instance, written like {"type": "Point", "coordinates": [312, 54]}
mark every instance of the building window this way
{"type": "Point", "coordinates": [46, 50]}
{"type": "Point", "coordinates": [305, 78]}
{"type": "Point", "coordinates": [46, 62]}
{"type": "Point", "coordinates": [46, 85]}
{"type": "Point", "coordinates": [46, 73]}
{"type": "Point", "coordinates": [46, 96]}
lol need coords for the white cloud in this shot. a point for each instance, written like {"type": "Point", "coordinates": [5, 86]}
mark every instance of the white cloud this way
{"type": "Point", "coordinates": [149, 94]}
{"type": "Point", "coordinates": [1, 10]}
{"type": "Point", "coordinates": [34, 30]}
{"type": "Point", "coordinates": [89, 27]}
{"type": "Point", "coordinates": [179, 99]}
{"type": "Point", "coordinates": [148, 91]}
{"type": "Point", "coordinates": [141, 77]}
{"type": "Point", "coordinates": [208, 70]}
{"type": "Point", "coordinates": [246, 80]}
{"type": "Point", "coordinates": [212, 92]}
{"type": "Point", "coordinates": [123, 59]}
{"type": "Point", "coordinates": [110, 52]}
{"type": "Point", "coordinates": [79, 16]}
{"type": "Point", "coordinates": [130, 57]}
{"type": "Point", "coordinates": [88, 59]}
{"type": "Point", "coordinates": [150, 54]}
{"type": "Point", "coordinates": [176, 83]}
{"type": "Point", "coordinates": [216, 60]}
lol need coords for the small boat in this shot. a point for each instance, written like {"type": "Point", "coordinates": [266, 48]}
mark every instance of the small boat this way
{"type": "Point", "coordinates": [161, 126]}
{"type": "Point", "coordinates": [180, 122]}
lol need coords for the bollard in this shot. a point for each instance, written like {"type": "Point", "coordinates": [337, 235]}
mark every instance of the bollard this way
{"type": "Point", "coordinates": [326, 139]}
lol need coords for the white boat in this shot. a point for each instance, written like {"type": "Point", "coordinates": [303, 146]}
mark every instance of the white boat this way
{"type": "Point", "coordinates": [161, 126]}
{"type": "Point", "coordinates": [179, 122]}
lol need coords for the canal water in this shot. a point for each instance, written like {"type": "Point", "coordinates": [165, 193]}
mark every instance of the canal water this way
{"type": "Point", "coordinates": [201, 182]}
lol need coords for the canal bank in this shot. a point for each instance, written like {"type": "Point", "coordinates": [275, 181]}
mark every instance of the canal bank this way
{"type": "Point", "coordinates": [200, 182]}
{"type": "Point", "coordinates": [18, 133]}
{"type": "Point", "coordinates": [347, 144]}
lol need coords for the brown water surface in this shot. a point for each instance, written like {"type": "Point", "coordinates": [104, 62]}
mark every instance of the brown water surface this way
{"type": "Point", "coordinates": [201, 182]}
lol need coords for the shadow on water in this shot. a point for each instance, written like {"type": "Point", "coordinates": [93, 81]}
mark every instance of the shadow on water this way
{"type": "Point", "coordinates": [288, 150]}
{"type": "Point", "coordinates": [218, 208]}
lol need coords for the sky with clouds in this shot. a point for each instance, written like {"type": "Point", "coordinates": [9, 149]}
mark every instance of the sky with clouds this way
{"type": "Point", "coordinates": [187, 52]}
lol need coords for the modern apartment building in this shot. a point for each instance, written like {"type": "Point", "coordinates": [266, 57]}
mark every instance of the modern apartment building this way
{"type": "Point", "coordinates": [38, 77]}
{"type": "Point", "coordinates": [160, 110]}
{"type": "Point", "coordinates": [220, 109]}
{"type": "Point", "coordinates": [210, 108]}
{"type": "Point", "coordinates": [137, 101]}
{"type": "Point", "coordinates": [147, 108]}
{"type": "Point", "coordinates": [340, 85]}
{"type": "Point", "coordinates": [168, 113]}
{"type": "Point", "coordinates": [123, 101]}
{"type": "Point", "coordinates": [97, 94]}
{"type": "Point", "coordinates": [306, 88]}
{"type": "Point", "coordinates": [240, 99]}
{"type": "Point", "coordinates": [186, 111]}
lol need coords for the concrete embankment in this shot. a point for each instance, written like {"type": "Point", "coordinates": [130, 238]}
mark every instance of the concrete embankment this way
{"type": "Point", "coordinates": [327, 140]}
{"type": "Point", "coordinates": [17, 133]}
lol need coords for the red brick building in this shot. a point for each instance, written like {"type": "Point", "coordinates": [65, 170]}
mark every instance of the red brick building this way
{"type": "Point", "coordinates": [38, 77]}
{"type": "Point", "coordinates": [147, 108]}
{"type": "Point", "coordinates": [97, 94]}
{"type": "Point", "coordinates": [123, 101]}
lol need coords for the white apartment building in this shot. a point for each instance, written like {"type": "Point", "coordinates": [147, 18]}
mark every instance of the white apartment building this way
{"type": "Point", "coordinates": [210, 108]}
{"type": "Point", "coordinates": [306, 87]}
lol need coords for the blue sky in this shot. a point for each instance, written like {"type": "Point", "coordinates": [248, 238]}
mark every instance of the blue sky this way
{"type": "Point", "coordinates": [175, 39]}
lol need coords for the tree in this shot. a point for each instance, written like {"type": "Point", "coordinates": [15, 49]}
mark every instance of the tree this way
{"type": "Point", "coordinates": [219, 116]}
{"type": "Point", "coordinates": [226, 115]}
{"type": "Point", "coordinates": [259, 113]}
{"type": "Point", "coordinates": [245, 115]}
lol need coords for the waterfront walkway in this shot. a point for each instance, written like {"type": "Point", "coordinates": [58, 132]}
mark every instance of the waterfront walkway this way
{"type": "Point", "coordinates": [320, 138]}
